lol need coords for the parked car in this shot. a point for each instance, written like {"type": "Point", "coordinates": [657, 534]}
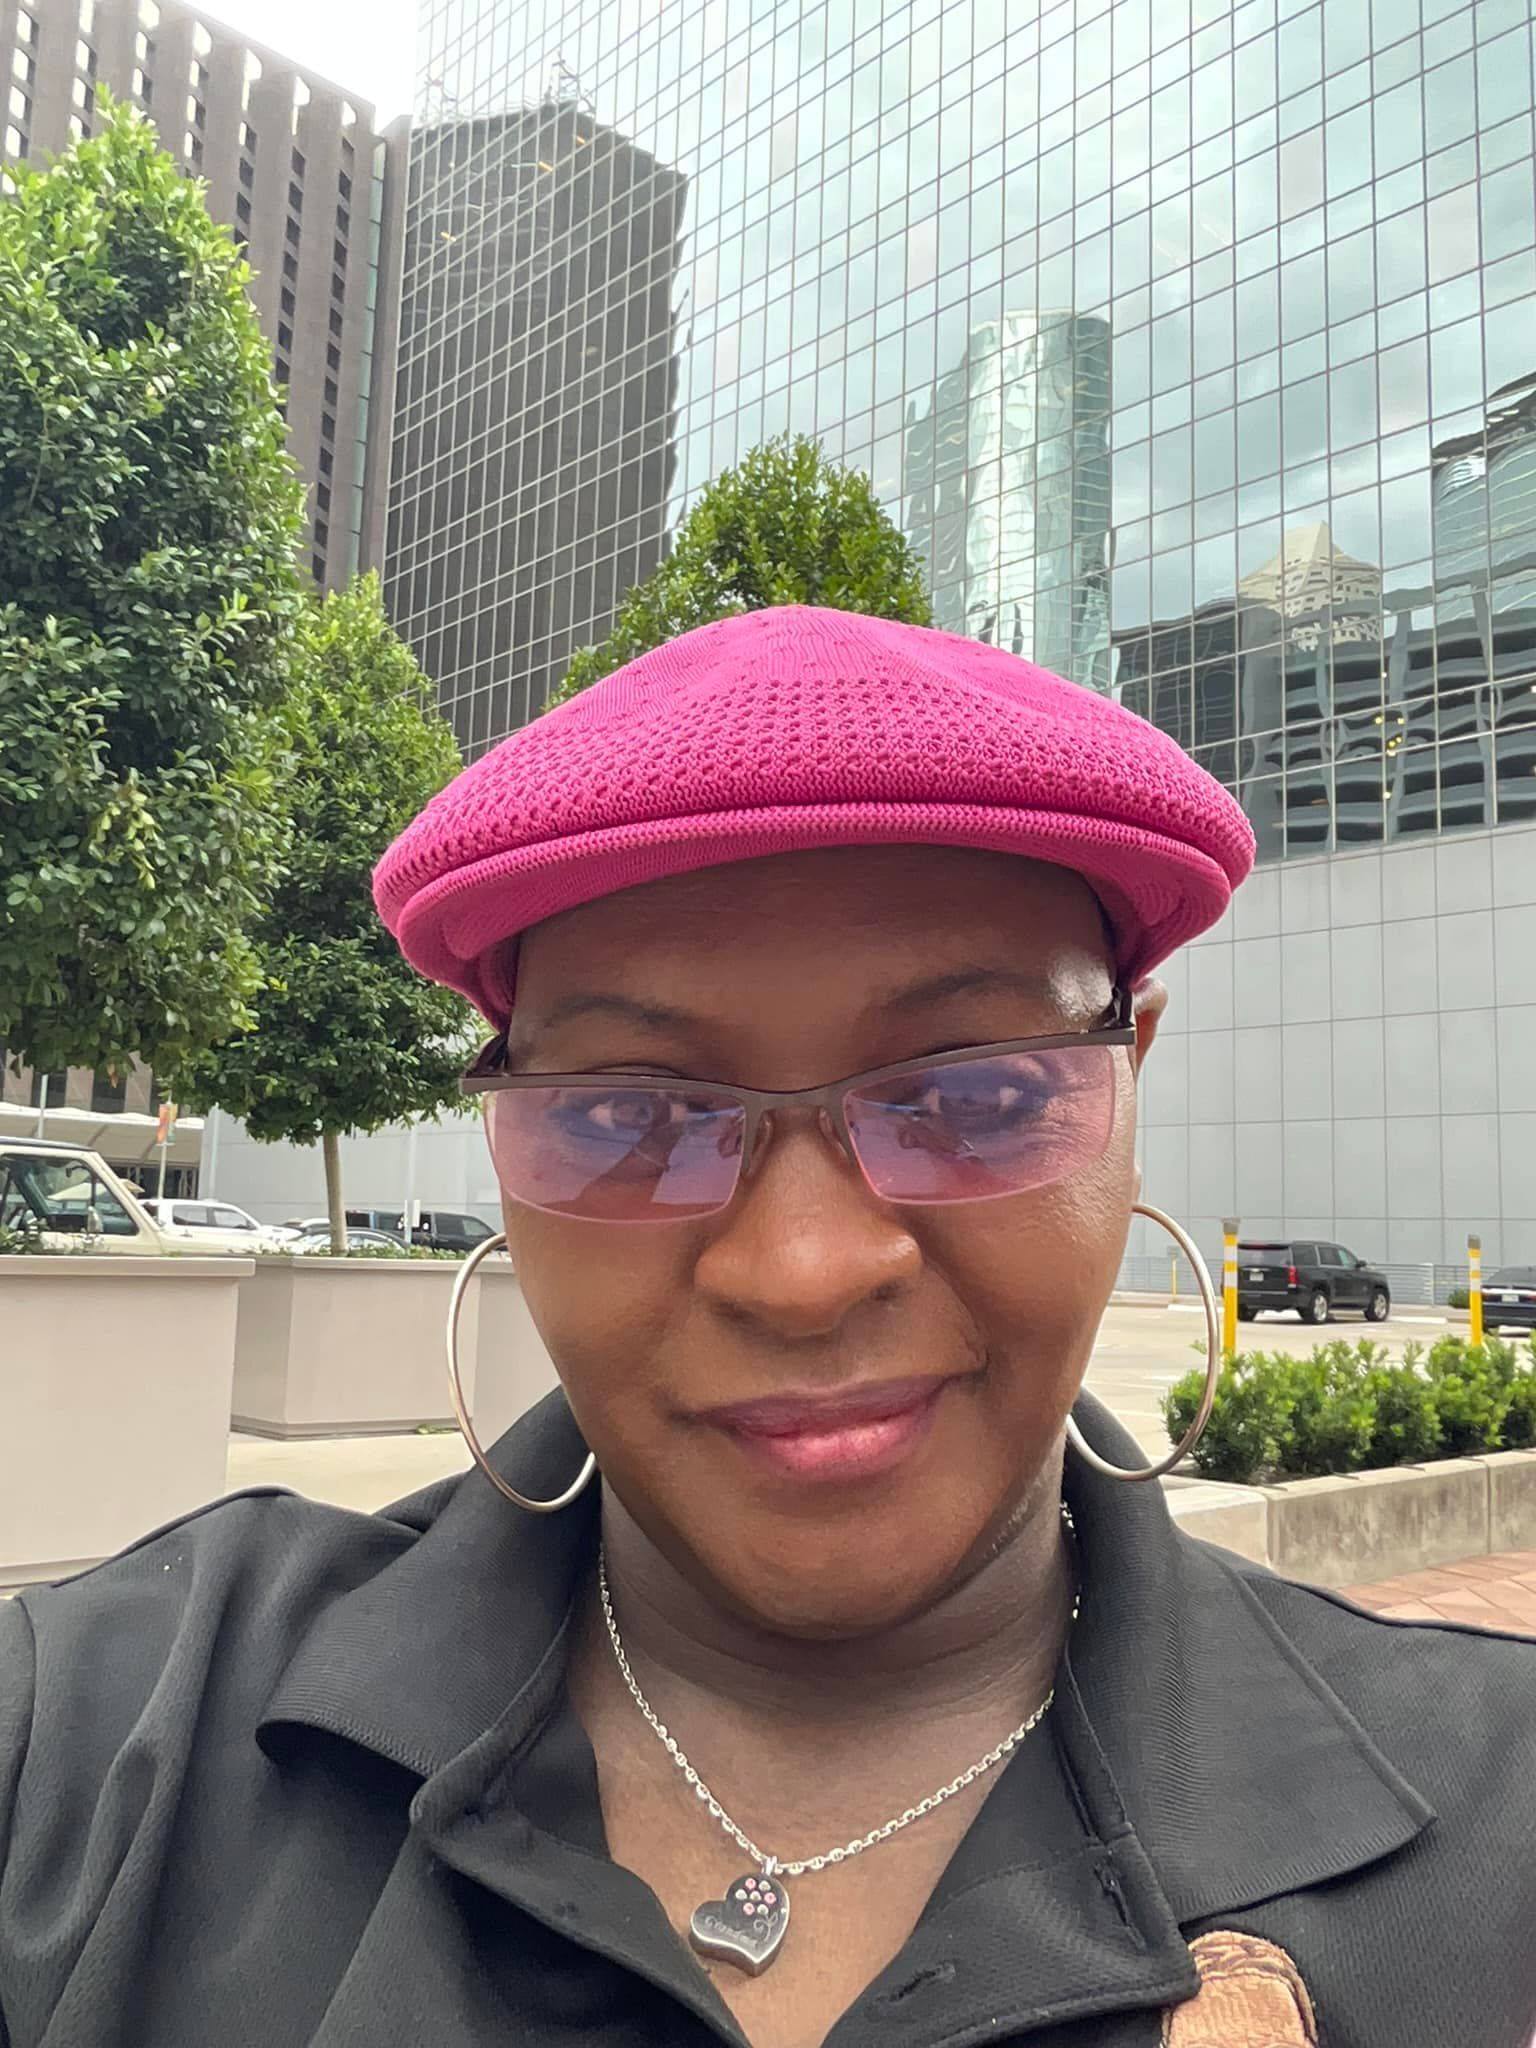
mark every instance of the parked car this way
{"type": "Point", "coordinates": [73, 1200]}
{"type": "Point", "coordinates": [314, 1235]}
{"type": "Point", "coordinates": [441, 1230]}
{"type": "Point", "coordinates": [209, 1226]}
{"type": "Point", "coordinates": [1509, 1298]}
{"type": "Point", "coordinates": [1314, 1278]}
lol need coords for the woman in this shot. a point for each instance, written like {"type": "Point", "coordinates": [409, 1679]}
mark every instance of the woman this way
{"type": "Point", "coordinates": [850, 1703]}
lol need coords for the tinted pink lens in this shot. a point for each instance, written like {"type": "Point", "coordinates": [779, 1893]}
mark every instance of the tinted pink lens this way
{"type": "Point", "coordinates": [982, 1128]}
{"type": "Point", "coordinates": [626, 1153]}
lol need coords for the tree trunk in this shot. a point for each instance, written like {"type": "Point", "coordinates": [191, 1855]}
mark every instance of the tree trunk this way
{"type": "Point", "coordinates": [331, 1146]}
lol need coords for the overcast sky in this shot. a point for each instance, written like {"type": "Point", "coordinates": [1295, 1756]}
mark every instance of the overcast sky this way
{"type": "Point", "coordinates": [367, 46]}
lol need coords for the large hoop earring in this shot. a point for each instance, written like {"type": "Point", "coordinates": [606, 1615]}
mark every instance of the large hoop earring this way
{"type": "Point", "coordinates": [455, 1308]}
{"type": "Point", "coordinates": [1196, 1429]}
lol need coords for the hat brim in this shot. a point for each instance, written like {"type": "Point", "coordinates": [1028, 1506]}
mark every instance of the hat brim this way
{"type": "Point", "coordinates": [1158, 892]}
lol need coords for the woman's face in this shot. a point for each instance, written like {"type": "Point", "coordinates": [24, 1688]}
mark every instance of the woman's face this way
{"type": "Point", "coordinates": [809, 1290]}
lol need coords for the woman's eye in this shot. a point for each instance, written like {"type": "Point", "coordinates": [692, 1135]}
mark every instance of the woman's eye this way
{"type": "Point", "coordinates": [961, 1097]}
{"type": "Point", "coordinates": [634, 1111]}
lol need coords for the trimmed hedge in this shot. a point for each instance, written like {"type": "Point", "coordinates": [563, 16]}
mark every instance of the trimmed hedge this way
{"type": "Point", "coordinates": [1350, 1407]}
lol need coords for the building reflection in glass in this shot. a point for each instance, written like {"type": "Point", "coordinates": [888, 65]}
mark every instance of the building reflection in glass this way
{"type": "Point", "coordinates": [1345, 707]}
{"type": "Point", "coordinates": [536, 406]}
{"type": "Point", "coordinates": [1007, 489]}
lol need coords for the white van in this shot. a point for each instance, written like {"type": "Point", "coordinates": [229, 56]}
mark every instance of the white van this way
{"type": "Point", "coordinates": [72, 1201]}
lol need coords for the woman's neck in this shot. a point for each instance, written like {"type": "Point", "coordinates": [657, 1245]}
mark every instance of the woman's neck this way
{"type": "Point", "coordinates": [995, 1636]}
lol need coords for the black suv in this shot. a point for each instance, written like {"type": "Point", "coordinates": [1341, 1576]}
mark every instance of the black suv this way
{"type": "Point", "coordinates": [1310, 1277]}
{"type": "Point", "coordinates": [448, 1230]}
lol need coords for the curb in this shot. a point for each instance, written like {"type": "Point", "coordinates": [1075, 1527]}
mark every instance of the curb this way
{"type": "Point", "coordinates": [1363, 1526]}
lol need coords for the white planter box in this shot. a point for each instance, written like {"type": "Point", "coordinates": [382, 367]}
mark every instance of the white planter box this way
{"type": "Point", "coordinates": [114, 1392]}
{"type": "Point", "coordinates": [512, 1369]}
{"type": "Point", "coordinates": [355, 1347]}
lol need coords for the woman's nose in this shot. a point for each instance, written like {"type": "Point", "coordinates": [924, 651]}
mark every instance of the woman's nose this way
{"type": "Point", "coordinates": [805, 1242]}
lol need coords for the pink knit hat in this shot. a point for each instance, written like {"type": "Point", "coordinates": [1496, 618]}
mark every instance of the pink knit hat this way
{"type": "Point", "coordinates": [792, 728]}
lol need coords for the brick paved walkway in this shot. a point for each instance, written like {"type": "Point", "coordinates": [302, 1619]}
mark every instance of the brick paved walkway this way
{"type": "Point", "coordinates": [1489, 1592]}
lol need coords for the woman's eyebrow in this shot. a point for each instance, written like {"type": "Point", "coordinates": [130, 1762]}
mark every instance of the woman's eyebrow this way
{"type": "Point", "coordinates": [524, 1032]}
{"type": "Point", "coordinates": [666, 1017]}
{"type": "Point", "coordinates": [626, 1009]}
{"type": "Point", "coordinates": [969, 981]}
{"type": "Point", "coordinates": [935, 988]}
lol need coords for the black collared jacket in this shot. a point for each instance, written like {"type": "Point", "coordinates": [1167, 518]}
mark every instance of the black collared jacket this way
{"type": "Point", "coordinates": [284, 1776]}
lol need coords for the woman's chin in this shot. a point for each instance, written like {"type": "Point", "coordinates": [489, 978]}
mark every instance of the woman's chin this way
{"type": "Point", "coordinates": [835, 1533]}
{"type": "Point", "coordinates": [843, 1576]}
{"type": "Point", "coordinates": [818, 1607]}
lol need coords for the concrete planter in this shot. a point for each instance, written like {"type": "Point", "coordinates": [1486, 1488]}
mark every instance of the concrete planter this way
{"type": "Point", "coordinates": [114, 1387]}
{"type": "Point", "coordinates": [1352, 1530]}
{"type": "Point", "coordinates": [512, 1368]}
{"type": "Point", "coordinates": [1511, 1500]}
{"type": "Point", "coordinates": [354, 1347]}
{"type": "Point", "coordinates": [1234, 1517]}
{"type": "Point", "coordinates": [1376, 1525]}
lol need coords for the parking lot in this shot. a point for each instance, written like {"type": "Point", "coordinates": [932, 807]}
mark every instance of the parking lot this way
{"type": "Point", "coordinates": [1141, 1351]}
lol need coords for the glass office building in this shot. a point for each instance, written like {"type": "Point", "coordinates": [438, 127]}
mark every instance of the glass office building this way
{"type": "Point", "coordinates": [1194, 344]}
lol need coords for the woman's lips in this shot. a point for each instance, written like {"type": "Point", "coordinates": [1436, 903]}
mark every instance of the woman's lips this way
{"type": "Point", "coordinates": [851, 1435]}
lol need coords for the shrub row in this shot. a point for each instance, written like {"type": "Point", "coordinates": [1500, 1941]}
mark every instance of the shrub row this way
{"type": "Point", "coordinates": [1350, 1407]}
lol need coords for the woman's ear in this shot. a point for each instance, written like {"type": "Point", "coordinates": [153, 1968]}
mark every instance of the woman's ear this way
{"type": "Point", "coordinates": [1147, 1006]}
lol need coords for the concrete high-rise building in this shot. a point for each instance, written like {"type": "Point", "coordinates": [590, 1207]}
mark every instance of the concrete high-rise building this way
{"type": "Point", "coordinates": [312, 191]}
{"type": "Point", "coordinates": [295, 167]}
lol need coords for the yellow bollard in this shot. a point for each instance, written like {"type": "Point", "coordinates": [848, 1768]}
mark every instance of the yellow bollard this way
{"type": "Point", "coordinates": [1173, 1277]}
{"type": "Point", "coordinates": [1475, 1287]}
{"type": "Point", "coordinates": [1229, 1230]}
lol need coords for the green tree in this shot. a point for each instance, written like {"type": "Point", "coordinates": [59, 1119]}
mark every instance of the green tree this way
{"type": "Point", "coordinates": [346, 1037]}
{"type": "Point", "coordinates": [148, 520]}
{"type": "Point", "coordinates": [786, 526]}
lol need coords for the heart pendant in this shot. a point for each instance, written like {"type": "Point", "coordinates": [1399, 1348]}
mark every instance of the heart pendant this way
{"type": "Point", "coordinates": [747, 1926]}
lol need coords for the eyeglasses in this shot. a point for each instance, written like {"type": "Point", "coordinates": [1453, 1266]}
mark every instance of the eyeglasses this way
{"type": "Point", "coordinates": [964, 1126]}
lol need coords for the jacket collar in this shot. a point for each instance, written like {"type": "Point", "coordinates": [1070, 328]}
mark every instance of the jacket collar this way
{"type": "Point", "coordinates": [420, 1660]}
{"type": "Point", "coordinates": [1219, 1753]}
{"type": "Point", "coordinates": [1241, 1771]}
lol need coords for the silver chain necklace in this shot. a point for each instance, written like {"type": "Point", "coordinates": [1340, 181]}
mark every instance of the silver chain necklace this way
{"type": "Point", "coordinates": [747, 1926]}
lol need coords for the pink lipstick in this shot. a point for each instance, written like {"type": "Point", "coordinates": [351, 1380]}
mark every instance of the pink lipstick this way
{"type": "Point", "coordinates": [856, 1433]}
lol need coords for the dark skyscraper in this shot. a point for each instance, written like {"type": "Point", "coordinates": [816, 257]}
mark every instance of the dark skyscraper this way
{"type": "Point", "coordinates": [536, 402]}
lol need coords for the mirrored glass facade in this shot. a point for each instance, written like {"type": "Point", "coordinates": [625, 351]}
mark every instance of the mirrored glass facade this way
{"type": "Point", "coordinates": [1193, 344]}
